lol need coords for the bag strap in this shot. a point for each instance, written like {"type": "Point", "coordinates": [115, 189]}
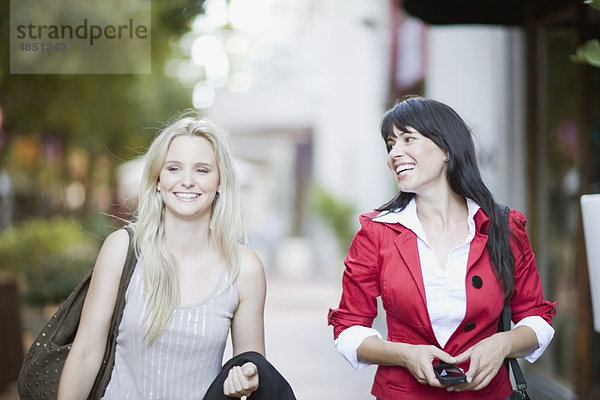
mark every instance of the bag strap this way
{"type": "Point", "coordinates": [514, 365]}
{"type": "Point", "coordinates": [104, 374]}
{"type": "Point", "coordinates": [504, 325]}
{"type": "Point", "coordinates": [129, 266]}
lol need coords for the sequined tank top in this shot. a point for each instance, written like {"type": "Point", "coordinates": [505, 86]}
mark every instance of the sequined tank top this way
{"type": "Point", "coordinates": [184, 359]}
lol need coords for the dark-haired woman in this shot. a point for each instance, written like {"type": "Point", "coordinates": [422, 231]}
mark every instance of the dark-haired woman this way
{"type": "Point", "coordinates": [443, 261]}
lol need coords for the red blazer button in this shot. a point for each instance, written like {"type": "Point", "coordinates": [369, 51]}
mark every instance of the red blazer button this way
{"type": "Point", "coordinates": [477, 282]}
{"type": "Point", "coordinates": [469, 327]}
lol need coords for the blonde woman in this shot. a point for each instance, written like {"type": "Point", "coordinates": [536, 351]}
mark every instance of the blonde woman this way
{"type": "Point", "coordinates": [193, 283]}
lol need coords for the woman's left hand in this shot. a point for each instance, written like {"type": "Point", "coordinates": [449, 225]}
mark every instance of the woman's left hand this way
{"type": "Point", "coordinates": [241, 381]}
{"type": "Point", "coordinates": [486, 358]}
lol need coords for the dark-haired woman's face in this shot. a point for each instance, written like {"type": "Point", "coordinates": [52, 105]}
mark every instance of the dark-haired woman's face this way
{"type": "Point", "coordinates": [416, 162]}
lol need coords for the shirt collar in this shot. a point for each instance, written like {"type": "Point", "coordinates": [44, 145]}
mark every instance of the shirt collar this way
{"type": "Point", "coordinates": [408, 217]}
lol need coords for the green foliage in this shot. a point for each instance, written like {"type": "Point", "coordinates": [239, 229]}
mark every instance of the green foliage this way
{"type": "Point", "coordinates": [49, 257]}
{"type": "Point", "coordinates": [336, 213]}
{"type": "Point", "coordinates": [114, 115]}
{"type": "Point", "coordinates": [588, 53]}
{"type": "Point", "coordinates": [112, 112]}
{"type": "Point", "coordinates": [593, 3]}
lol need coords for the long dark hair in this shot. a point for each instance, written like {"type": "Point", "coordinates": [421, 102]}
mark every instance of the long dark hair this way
{"type": "Point", "coordinates": [447, 130]}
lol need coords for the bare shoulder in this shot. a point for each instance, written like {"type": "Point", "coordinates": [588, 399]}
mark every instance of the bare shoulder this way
{"type": "Point", "coordinates": [104, 286]}
{"type": "Point", "coordinates": [114, 251]}
{"type": "Point", "coordinates": [250, 263]}
{"type": "Point", "coordinates": [251, 277]}
{"type": "Point", "coordinates": [120, 238]}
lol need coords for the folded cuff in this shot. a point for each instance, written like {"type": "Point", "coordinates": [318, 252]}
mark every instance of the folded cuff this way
{"type": "Point", "coordinates": [350, 340]}
{"type": "Point", "coordinates": [543, 331]}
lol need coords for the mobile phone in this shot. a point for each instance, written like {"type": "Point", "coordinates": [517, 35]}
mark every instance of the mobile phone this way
{"type": "Point", "coordinates": [449, 374]}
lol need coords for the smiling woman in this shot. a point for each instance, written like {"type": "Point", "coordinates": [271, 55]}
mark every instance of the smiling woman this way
{"type": "Point", "coordinates": [195, 284]}
{"type": "Point", "coordinates": [444, 261]}
{"type": "Point", "coordinates": [225, 219]}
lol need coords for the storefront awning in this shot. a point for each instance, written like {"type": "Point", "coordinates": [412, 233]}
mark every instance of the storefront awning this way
{"type": "Point", "coordinates": [484, 12]}
{"type": "Point", "coordinates": [487, 12]}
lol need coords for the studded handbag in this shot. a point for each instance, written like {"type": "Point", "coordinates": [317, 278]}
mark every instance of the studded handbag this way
{"type": "Point", "coordinates": [44, 361]}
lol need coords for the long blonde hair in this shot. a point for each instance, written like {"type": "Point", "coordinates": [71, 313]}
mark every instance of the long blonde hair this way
{"type": "Point", "coordinates": [227, 227]}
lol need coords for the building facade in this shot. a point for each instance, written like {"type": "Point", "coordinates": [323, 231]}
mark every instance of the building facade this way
{"type": "Point", "coordinates": [510, 70]}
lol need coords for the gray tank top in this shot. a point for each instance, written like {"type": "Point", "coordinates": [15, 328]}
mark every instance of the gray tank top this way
{"type": "Point", "coordinates": [184, 359]}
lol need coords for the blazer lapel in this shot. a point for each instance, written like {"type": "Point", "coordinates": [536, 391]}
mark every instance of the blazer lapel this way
{"type": "Point", "coordinates": [406, 243]}
{"type": "Point", "coordinates": [479, 242]}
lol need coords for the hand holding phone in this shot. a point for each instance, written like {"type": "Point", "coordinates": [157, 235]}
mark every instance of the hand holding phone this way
{"type": "Point", "coordinates": [449, 374]}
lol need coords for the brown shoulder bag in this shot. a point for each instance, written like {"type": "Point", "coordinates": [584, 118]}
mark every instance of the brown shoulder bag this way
{"type": "Point", "coordinates": [44, 361]}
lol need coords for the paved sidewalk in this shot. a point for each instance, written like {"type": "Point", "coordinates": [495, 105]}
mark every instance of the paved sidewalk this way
{"type": "Point", "coordinates": [300, 344]}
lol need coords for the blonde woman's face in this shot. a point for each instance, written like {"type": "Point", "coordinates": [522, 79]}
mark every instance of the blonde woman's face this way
{"type": "Point", "coordinates": [189, 178]}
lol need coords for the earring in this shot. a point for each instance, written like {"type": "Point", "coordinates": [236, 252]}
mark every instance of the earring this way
{"type": "Point", "coordinates": [158, 188]}
{"type": "Point", "coordinates": [446, 158]}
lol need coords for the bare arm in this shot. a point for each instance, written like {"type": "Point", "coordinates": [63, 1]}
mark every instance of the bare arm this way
{"type": "Point", "coordinates": [84, 359]}
{"type": "Point", "coordinates": [522, 341]}
{"type": "Point", "coordinates": [247, 327]}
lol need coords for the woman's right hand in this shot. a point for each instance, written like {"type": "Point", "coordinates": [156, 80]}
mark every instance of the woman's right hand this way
{"type": "Point", "coordinates": [241, 381]}
{"type": "Point", "coordinates": [417, 359]}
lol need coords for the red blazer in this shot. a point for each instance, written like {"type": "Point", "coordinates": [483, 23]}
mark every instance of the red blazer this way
{"type": "Point", "coordinates": [383, 260]}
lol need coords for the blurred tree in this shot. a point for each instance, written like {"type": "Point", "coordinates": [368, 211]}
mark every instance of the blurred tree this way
{"type": "Point", "coordinates": [593, 3]}
{"type": "Point", "coordinates": [49, 257]}
{"type": "Point", "coordinates": [335, 213]}
{"type": "Point", "coordinates": [115, 114]}
{"type": "Point", "coordinates": [589, 51]}
{"type": "Point", "coordinates": [98, 111]}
